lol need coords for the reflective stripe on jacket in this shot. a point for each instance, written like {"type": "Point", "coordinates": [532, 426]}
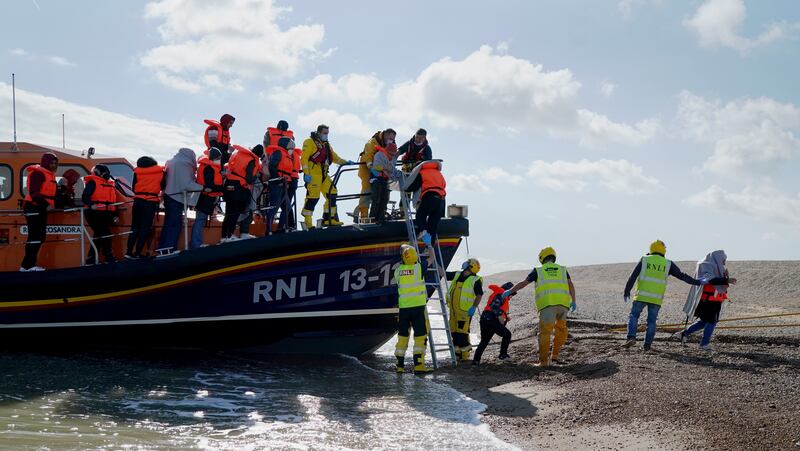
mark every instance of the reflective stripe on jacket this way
{"type": "Point", "coordinates": [552, 286]}
{"type": "Point", "coordinates": [652, 281]}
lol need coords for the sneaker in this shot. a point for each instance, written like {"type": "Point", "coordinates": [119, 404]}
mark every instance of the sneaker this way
{"type": "Point", "coordinates": [504, 357]}
{"type": "Point", "coordinates": [475, 363]}
{"type": "Point", "coordinates": [36, 268]}
{"type": "Point", "coordinates": [629, 343]}
{"type": "Point", "coordinates": [246, 236]}
{"type": "Point", "coordinates": [679, 336]}
{"type": "Point", "coordinates": [558, 361]}
{"type": "Point", "coordinates": [131, 257]}
{"type": "Point", "coordinates": [706, 348]}
{"type": "Point", "coordinates": [647, 347]}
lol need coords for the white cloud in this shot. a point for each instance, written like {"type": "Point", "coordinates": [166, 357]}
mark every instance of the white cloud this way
{"type": "Point", "coordinates": [234, 40]}
{"type": "Point", "coordinates": [747, 134]}
{"type": "Point", "coordinates": [500, 174]}
{"type": "Point", "coordinates": [488, 90]}
{"type": "Point", "coordinates": [607, 89]}
{"type": "Point", "coordinates": [592, 206]}
{"type": "Point", "coordinates": [769, 236]}
{"type": "Point", "coordinates": [356, 89]}
{"type": "Point", "coordinates": [39, 122]}
{"type": "Point", "coordinates": [18, 52]}
{"type": "Point", "coordinates": [340, 123]}
{"type": "Point", "coordinates": [60, 61]}
{"type": "Point", "coordinates": [761, 201]}
{"type": "Point", "coordinates": [614, 175]}
{"type": "Point", "coordinates": [716, 23]}
{"type": "Point", "coordinates": [467, 183]}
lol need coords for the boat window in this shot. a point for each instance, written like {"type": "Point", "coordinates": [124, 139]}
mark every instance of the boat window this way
{"type": "Point", "coordinates": [6, 181]}
{"type": "Point", "coordinates": [121, 171]}
{"type": "Point", "coordinates": [62, 168]}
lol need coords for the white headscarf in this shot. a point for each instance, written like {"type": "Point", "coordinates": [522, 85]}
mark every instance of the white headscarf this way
{"type": "Point", "coordinates": [714, 266]}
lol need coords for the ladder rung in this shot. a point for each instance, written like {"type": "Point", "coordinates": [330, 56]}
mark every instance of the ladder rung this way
{"type": "Point", "coordinates": [440, 349]}
{"type": "Point", "coordinates": [440, 328]}
{"type": "Point", "coordinates": [436, 313]}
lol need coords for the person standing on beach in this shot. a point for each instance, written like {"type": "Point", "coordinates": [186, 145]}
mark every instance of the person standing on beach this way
{"type": "Point", "coordinates": [650, 276]}
{"type": "Point", "coordinates": [463, 298]}
{"type": "Point", "coordinates": [711, 296]}
{"type": "Point", "coordinates": [412, 298]}
{"type": "Point", "coordinates": [493, 322]}
{"type": "Point", "coordinates": [555, 297]}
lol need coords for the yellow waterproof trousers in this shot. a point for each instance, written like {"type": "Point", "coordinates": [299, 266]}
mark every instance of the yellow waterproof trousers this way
{"type": "Point", "coordinates": [552, 318]}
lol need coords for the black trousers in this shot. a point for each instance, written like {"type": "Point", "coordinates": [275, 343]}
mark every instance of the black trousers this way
{"type": "Point", "coordinates": [100, 221]}
{"type": "Point", "coordinates": [37, 232]}
{"type": "Point", "coordinates": [490, 328]}
{"type": "Point", "coordinates": [429, 212]}
{"type": "Point", "coordinates": [291, 193]}
{"type": "Point", "coordinates": [236, 202]}
{"type": "Point", "coordinates": [144, 211]}
{"type": "Point", "coordinates": [412, 317]}
{"type": "Point", "coordinates": [380, 199]}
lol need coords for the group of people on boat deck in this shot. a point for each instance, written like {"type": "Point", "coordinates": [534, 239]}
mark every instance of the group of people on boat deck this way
{"type": "Point", "coordinates": [555, 298]}
{"type": "Point", "coordinates": [253, 181]}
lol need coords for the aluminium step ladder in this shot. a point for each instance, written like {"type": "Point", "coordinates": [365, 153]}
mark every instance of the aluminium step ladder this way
{"type": "Point", "coordinates": [440, 286]}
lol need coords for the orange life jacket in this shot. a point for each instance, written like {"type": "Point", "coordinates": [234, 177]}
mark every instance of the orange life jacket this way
{"type": "Point", "coordinates": [48, 188]}
{"type": "Point", "coordinates": [148, 183]}
{"type": "Point", "coordinates": [432, 179]}
{"type": "Point", "coordinates": [237, 165]}
{"type": "Point", "coordinates": [297, 164]}
{"type": "Point", "coordinates": [275, 135]}
{"type": "Point", "coordinates": [104, 193]}
{"type": "Point", "coordinates": [202, 163]}
{"type": "Point", "coordinates": [388, 157]}
{"type": "Point", "coordinates": [710, 294]}
{"type": "Point", "coordinates": [223, 136]}
{"type": "Point", "coordinates": [322, 155]}
{"type": "Point", "coordinates": [490, 305]}
{"type": "Point", "coordinates": [285, 166]}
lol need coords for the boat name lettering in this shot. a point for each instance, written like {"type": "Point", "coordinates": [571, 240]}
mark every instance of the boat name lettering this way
{"type": "Point", "coordinates": [56, 229]}
{"type": "Point", "coordinates": [286, 289]}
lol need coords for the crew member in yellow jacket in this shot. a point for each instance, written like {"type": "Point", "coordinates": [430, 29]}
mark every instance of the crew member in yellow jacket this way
{"type": "Point", "coordinates": [466, 291]}
{"type": "Point", "coordinates": [555, 297]}
{"type": "Point", "coordinates": [380, 140]}
{"type": "Point", "coordinates": [317, 158]}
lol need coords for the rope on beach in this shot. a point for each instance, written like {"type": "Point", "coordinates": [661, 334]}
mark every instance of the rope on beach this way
{"type": "Point", "coordinates": [677, 326]}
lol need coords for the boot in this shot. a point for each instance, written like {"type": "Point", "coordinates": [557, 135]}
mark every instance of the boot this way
{"type": "Point", "coordinates": [465, 354]}
{"type": "Point", "coordinates": [332, 219]}
{"type": "Point", "coordinates": [400, 353]}
{"type": "Point", "coordinates": [420, 345]}
{"type": "Point", "coordinates": [308, 220]}
{"type": "Point", "coordinates": [419, 364]}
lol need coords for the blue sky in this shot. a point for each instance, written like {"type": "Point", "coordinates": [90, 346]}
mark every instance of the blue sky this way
{"type": "Point", "coordinates": [594, 127]}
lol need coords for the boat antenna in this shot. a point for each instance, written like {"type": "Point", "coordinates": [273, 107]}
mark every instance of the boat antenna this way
{"type": "Point", "coordinates": [63, 136]}
{"type": "Point", "coordinates": [14, 109]}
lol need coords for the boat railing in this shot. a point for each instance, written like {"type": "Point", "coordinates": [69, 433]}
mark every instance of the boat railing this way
{"type": "Point", "coordinates": [84, 232]}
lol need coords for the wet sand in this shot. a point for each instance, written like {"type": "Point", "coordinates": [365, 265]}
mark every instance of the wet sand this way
{"type": "Point", "coordinates": [745, 395]}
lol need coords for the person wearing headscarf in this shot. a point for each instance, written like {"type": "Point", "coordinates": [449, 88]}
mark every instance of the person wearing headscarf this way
{"type": "Point", "coordinates": [711, 296]}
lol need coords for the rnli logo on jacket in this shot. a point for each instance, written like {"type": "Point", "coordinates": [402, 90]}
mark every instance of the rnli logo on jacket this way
{"type": "Point", "coordinates": [56, 229]}
{"type": "Point", "coordinates": [654, 267]}
{"type": "Point", "coordinates": [406, 272]}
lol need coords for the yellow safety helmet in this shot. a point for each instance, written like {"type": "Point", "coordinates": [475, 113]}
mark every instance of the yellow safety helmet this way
{"type": "Point", "coordinates": [408, 254]}
{"type": "Point", "coordinates": [472, 264]}
{"type": "Point", "coordinates": [658, 247]}
{"type": "Point", "coordinates": [546, 252]}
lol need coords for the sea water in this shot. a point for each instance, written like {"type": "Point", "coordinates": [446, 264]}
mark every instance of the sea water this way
{"type": "Point", "coordinates": [229, 401]}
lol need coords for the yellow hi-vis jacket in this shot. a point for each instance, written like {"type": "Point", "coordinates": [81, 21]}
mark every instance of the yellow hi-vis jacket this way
{"type": "Point", "coordinates": [410, 286]}
{"type": "Point", "coordinates": [652, 281]}
{"type": "Point", "coordinates": [462, 293]}
{"type": "Point", "coordinates": [552, 286]}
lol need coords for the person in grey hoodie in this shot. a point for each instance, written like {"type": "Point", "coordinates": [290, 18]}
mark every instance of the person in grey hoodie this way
{"type": "Point", "coordinates": [382, 172]}
{"type": "Point", "coordinates": [181, 175]}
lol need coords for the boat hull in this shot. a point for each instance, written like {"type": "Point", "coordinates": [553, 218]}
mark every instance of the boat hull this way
{"type": "Point", "coordinates": [324, 291]}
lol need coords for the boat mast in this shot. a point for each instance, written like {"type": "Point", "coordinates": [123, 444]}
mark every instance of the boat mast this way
{"type": "Point", "coordinates": [63, 137]}
{"type": "Point", "coordinates": [14, 109]}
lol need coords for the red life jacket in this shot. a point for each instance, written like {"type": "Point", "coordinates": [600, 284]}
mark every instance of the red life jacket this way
{"type": "Point", "coordinates": [237, 165]}
{"type": "Point", "coordinates": [202, 163]}
{"type": "Point", "coordinates": [388, 157]}
{"type": "Point", "coordinates": [285, 166]}
{"type": "Point", "coordinates": [105, 193]}
{"type": "Point", "coordinates": [432, 179]}
{"type": "Point", "coordinates": [48, 188]}
{"type": "Point", "coordinates": [497, 291]}
{"type": "Point", "coordinates": [297, 164]}
{"type": "Point", "coordinates": [323, 153]}
{"type": "Point", "coordinates": [275, 135]}
{"type": "Point", "coordinates": [148, 183]}
{"type": "Point", "coordinates": [416, 155]}
{"type": "Point", "coordinates": [710, 294]}
{"type": "Point", "coordinates": [223, 136]}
